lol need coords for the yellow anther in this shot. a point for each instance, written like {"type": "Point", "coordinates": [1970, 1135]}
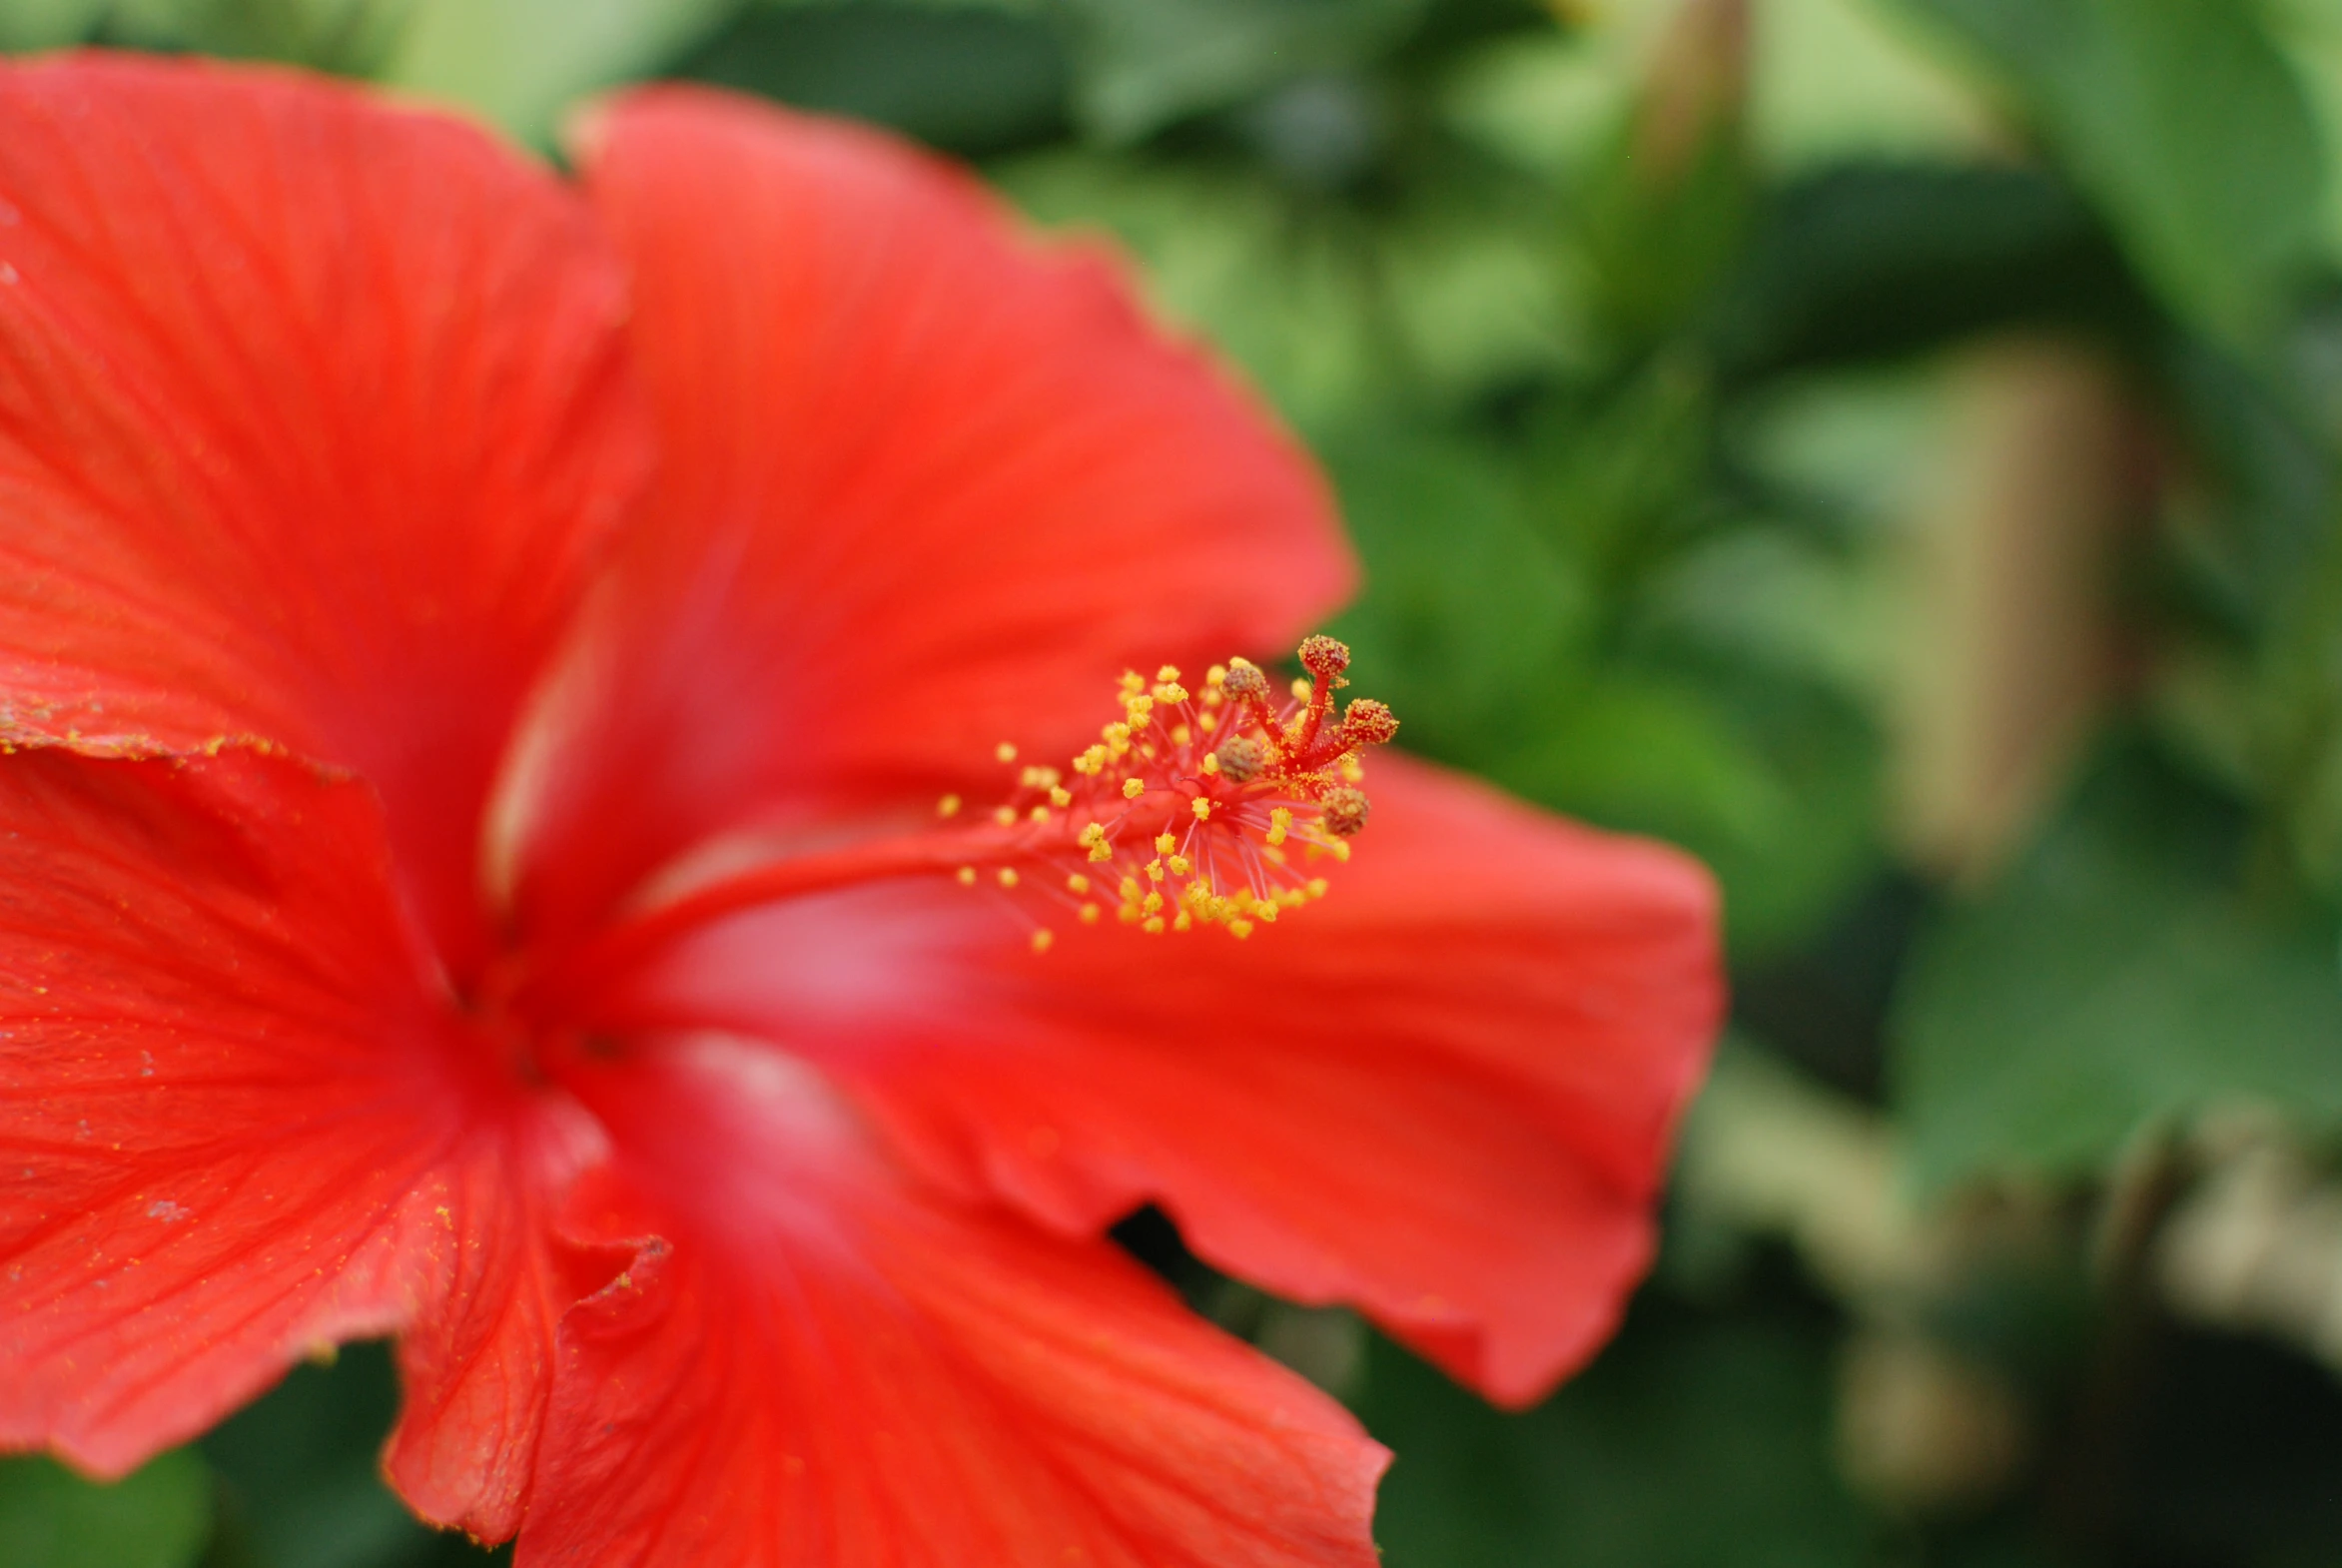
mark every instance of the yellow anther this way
{"type": "Point", "coordinates": [1208, 723]}
{"type": "Point", "coordinates": [1090, 761]}
{"type": "Point", "coordinates": [1185, 922]}
{"type": "Point", "coordinates": [1182, 735]}
{"type": "Point", "coordinates": [1029, 778]}
{"type": "Point", "coordinates": [1005, 751]}
{"type": "Point", "coordinates": [1129, 888]}
{"type": "Point", "coordinates": [1008, 875]}
{"type": "Point", "coordinates": [1092, 833]}
{"type": "Point", "coordinates": [1273, 855]}
{"type": "Point", "coordinates": [1154, 926]}
{"type": "Point", "coordinates": [1154, 871]}
{"type": "Point", "coordinates": [1142, 709]}
{"type": "Point", "coordinates": [1128, 913]}
{"type": "Point", "coordinates": [1340, 849]}
{"type": "Point", "coordinates": [1133, 788]}
{"type": "Point", "coordinates": [967, 876]}
{"type": "Point", "coordinates": [1038, 814]}
{"type": "Point", "coordinates": [1315, 887]}
{"type": "Point", "coordinates": [1060, 796]}
{"type": "Point", "coordinates": [1212, 762]}
{"type": "Point", "coordinates": [1214, 675]}
{"type": "Point", "coordinates": [1152, 903]}
{"type": "Point", "coordinates": [1168, 673]}
{"type": "Point", "coordinates": [1134, 681]}
{"type": "Point", "coordinates": [1180, 866]}
{"type": "Point", "coordinates": [1116, 734]}
{"type": "Point", "coordinates": [1280, 824]}
{"type": "Point", "coordinates": [1266, 912]}
{"type": "Point", "coordinates": [1164, 843]}
{"type": "Point", "coordinates": [1203, 808]}
{"type": "Point", "coordinates": [1041, 940]}
{"type": "Point", "coordinates": [1171, 692]}
{"type": "Point", "coordinates": [1006, 816]}
{"type": "Point", "coordinates": [1077, 884]}
{"type": "Point", "coordinates": [1240, 928]}
{"type": "Point", "coordinates": [948, 806]}
{"type": "Point", "coordinates": [1100, 852]}
{"type": "Point", "coordinates": [1301, 688]}
{"type": "Point", "coordinates": [1090, 914]}
{"type": "Point", "coordinates": [1352, 770]}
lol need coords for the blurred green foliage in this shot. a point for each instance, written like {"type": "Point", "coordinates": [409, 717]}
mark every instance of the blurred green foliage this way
{"type": "Point", "coordinates": [1662, 354]}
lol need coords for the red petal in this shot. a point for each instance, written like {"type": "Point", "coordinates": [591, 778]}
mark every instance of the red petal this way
{"type": "Point", "coordinates": [928, 485]}
{"type": "Point", "coordinates": [809, 1365]}
{"type": "Point", "coordinates": [234, 1117]}
{"type": "Point", "coordinates": [310, 412]}
{"type": "Point", "coordinates": [1446, 1094]}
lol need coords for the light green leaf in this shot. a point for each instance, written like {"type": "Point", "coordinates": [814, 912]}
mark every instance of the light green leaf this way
{"type": "Point", "coordinates": [157, 1517]}
{"type": "Point", "coordinates": [1145, 63]}
{"type": "Point", "coordinates": [2183, 120]}
{"type": "Point", "coordinates": [523, 62]}
{"type": "Point", "coordinates": [2116, 977]}
{"type": "Point", "coordinates": [47, 24]}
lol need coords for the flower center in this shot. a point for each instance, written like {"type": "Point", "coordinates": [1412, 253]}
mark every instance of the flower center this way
{"type": "Point", "coordinates": [1212, 806]}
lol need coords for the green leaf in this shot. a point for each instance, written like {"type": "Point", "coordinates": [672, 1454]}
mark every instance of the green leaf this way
{"type": "Point", "coordinates": [1146, 63]}
{"type": "Point", "coordinates": [971, 78]}
{"type": "Point", "coordinates": [48, 24]}
{"type": "Point", "coordinates": [2185, 121]}
{"type": "Point", "coordinates": [2116, 975]}
{"type": "Point", "coordinates": [1692, 1442]}
{"type": "Point", "coordinates": [157, 1517]}
{"type": "Point", "coordinates": [523, 63]}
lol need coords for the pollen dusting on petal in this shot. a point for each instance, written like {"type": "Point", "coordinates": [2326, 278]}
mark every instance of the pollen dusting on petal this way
{"type": "Point", "coordinates": [1215, 806]}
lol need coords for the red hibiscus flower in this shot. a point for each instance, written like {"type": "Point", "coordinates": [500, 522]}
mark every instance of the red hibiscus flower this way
{"type": "Point", "coordinates": [478, 657]}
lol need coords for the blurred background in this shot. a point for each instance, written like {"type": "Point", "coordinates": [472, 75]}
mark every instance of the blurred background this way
{"type": "Point", "coordinates": [1887, 447]}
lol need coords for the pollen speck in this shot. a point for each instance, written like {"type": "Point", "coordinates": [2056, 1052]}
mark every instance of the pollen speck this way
{"type": "Point", "coordinates": [966, 875]}
{"type": "Point", "coordinates": [1008, 876]}
{"type": "Point", "coordinates": [1077, 884]}
{"type": "Point", "coordinates": [1042, 939]}
{"type": "Point", "coordinates": [948, 806]}
{"type": "Point", "coordinates": [1005, 751]}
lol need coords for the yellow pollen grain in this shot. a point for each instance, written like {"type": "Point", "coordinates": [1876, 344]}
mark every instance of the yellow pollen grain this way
{"type": "Point", "coordinates": [1090, 914]}
{"type": "Point", "coordinates": [1152, 926]}
{"type": "Point", "coordinates": [1041, 940]}
{"type": "Point", "coordinates": [948, 806]}
{"type": "Point", "coordinates": [1038, 814]}
{"type": "Point", "coordinates": [1005, 751]}
{"type": "Point", "coordinates": [966, 875]}
{"type": "Point", "coordinates": [1203, 808]}
{"type": "Point", "coordinates": [1180, 866]}
{"type": "Point", "coordinates": [1006, 816]}
{"type": "Point", "coordinates": [1077, 884]}
{"type": "Point", "coordinates": [1168, 673]}
{"type": "Point", "coordinates": [1060, 796]}
{"type": "Point", "coordinates": [1008, 876]}
{"type": "Point", "coordinates": [1133, 788]}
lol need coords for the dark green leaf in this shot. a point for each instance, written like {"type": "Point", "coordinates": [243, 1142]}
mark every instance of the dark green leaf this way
{"type": "Point", "coordinates": [2115, 976]}
{"type": "Point", "coordinates": [2185, 121]}
{"type": "Point", "coordinates": [157, 1517]}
